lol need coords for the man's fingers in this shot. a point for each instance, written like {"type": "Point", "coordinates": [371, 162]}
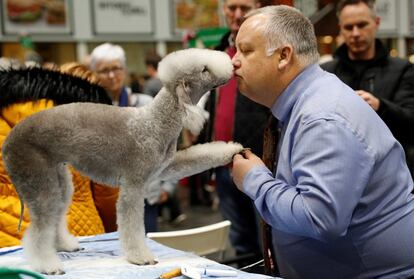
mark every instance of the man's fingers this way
{"type": "Point", "coordinates": [247, 153]}
{"type": "Point", "coordinates": [237, 156]}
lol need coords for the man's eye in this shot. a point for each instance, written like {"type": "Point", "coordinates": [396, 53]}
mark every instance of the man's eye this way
{"type": "Point", "coordinates": [246, 50]}
{"type": "Point", "coordinates": [245, 9]}
{"type": "Point", "coordinates": [362, 25]}
{"type": "Point", "coordinates": [348, 27]}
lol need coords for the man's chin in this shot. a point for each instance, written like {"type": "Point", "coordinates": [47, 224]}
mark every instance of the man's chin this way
{"type": "Point", "coordinates": [235, 29]}
{"type": "Point", "coordinates": [242, 90]}
{"type": "Point", "coordinates": [358, 49]}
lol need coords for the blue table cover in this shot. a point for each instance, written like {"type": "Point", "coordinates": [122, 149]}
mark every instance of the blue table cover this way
{"type": "Point", "coordinates": [102, 257]}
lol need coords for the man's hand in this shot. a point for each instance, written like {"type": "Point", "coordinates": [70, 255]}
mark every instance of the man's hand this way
{"type": "Point", "coordinates": [369, 98]}
{"type": "Point", "coordinates": [242, 163]}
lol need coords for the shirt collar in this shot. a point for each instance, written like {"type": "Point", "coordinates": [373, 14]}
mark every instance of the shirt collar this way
{"type": "Point", "coordinates": [282, 108]}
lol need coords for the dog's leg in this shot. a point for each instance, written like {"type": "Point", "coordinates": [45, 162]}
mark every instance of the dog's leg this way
{"type": "Point", "coordinates": [130, 218]}
{"type": "Point", "coordinates": [200, 157]}
{"type": "Point", "coordinates": [64, 240]}
{"type": "Point", "coordinates": [39, 186]}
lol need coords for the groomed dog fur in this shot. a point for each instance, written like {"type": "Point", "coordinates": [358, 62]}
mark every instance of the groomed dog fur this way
{"type": "Point", "coordinates": [125, 147]}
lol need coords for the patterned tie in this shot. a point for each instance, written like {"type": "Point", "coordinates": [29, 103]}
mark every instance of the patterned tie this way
{"type": "Point", "coordinates": [270, 141]}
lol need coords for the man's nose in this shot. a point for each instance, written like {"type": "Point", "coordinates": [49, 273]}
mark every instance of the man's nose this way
{"type": "Point", "coordinates": [238, 13]}
{"type": "Point", "coordinates": [235, 61]}
{"type": "Point", "coordinates": [355, 31]}
{"type": "Point", "coordinates": [111, 74]}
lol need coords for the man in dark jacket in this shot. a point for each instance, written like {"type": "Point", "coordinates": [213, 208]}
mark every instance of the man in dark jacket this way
{"type": "Point", "coordinates": [234, 117]}
{"type": "Point", "coordinates": [385, 83]}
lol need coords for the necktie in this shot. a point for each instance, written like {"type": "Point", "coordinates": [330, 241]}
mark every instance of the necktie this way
{"type": "Point", "coordinates": [270, 141]}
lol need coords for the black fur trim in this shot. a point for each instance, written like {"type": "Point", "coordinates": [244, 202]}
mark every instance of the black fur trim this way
{"type": "Point", "coordinates": [33, 84]}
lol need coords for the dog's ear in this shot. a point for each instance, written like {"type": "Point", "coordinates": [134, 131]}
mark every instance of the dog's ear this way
{"type": "Point", "coordinates": [183, 93]}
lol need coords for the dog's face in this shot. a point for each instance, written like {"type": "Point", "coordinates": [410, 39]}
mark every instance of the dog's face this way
{"type": "Point", "coordinates": [192, 72]}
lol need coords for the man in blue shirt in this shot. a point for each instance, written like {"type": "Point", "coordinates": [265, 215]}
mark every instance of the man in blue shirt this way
{"type": "Point", "coordinates": [340, 203]}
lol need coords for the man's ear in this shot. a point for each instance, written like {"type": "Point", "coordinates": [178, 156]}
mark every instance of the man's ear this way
{"type": "Point", "coordinates": [377, 21]}
{"type": "Point", "coordinates": [285, 56]}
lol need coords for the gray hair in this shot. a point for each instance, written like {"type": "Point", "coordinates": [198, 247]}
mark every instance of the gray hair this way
{"type": "Point", "coordinates": [107, 52]}
{"type": "Point", "coordinates": [287, 25]}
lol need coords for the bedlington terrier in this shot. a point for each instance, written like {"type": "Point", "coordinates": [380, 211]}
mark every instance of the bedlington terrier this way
{"type": "Point", "coordinates": [128, 147]}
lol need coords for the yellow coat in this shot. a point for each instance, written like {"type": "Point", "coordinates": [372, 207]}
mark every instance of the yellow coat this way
{"type": "Point", "coordinates": [89, 199]}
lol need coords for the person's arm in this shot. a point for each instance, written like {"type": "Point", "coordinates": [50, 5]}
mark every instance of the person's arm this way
{"type": "Point", "coordinates": [398, 113]}
{"type": "Point", "coordinates": [105, 199]}
{"type": "Point", "coordinates": [315, 194]}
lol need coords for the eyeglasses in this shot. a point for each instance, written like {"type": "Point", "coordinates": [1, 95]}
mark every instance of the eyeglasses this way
{"type": "Point", "coordinates": [115, 71]}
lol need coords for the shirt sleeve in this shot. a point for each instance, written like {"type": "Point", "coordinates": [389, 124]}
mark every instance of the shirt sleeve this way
{"type": "Point", "coordinates": [322, 172]}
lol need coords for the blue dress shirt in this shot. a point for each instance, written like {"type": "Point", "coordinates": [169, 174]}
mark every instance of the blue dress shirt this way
{"type": "Point", "coordinates": [340, 204]}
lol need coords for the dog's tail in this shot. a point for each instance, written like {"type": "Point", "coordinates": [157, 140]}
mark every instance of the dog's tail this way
{"type": "Point", "coordinates": [21, 215]}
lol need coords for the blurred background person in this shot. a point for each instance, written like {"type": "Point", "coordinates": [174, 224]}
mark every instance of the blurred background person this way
{"type": "Point", "coordinates": [83, 216]}
{"type": "Point", "coordinates": [168, 202]}
{"type": "Point", "coordinates": [134, 82]}
{"type": "Point", "coordinates": [386, 83]}
{"type": "Point", "coordinates": [153, 83]}
{"type": "Point", "coordinates": [109, 62]}
{"type": "Point", "coordinates": [236, 118]}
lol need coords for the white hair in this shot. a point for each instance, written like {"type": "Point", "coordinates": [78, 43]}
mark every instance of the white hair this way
{"type": "Point", "coordinates": [288, 26]}
{"type": "Point", "coordinates": [107, 52]}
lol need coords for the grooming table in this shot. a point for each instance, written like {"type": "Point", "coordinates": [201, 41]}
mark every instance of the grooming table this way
{"type": "Point", "coordinates": [101, 257]}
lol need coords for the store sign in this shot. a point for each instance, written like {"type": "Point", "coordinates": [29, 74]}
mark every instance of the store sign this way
{"type": "Point", "coordinates": [307, 7]}
{"type": "Point", "coordinates": [196, 14]}
{"type": "Point", "coordinates": [122, 16]}
{"type": "Point", "coordinates": [387, 10]}
{"type": "Point", "coordinates": [35, 17]}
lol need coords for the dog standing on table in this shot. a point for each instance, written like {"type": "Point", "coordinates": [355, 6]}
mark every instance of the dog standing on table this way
{"type": "Point", "coordinates": [128, 147]}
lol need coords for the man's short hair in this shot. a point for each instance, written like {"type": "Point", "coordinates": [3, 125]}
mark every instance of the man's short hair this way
{"type": "Point", "coordinates": [342, 3]}
{"type": "Point", "coordinates": [153, 60]}
{"type": "Point", "coordinates": [287, 25]}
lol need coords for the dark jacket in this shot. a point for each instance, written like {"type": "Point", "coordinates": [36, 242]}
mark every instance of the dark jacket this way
{"type": "Point", "coordinates": [387, 78]}
{"type": "Point", "coordinates": [250, 118]}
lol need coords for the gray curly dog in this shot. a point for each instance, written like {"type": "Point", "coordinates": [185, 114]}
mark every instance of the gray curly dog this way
{"type": "Point", "coordinates": [126, 147]}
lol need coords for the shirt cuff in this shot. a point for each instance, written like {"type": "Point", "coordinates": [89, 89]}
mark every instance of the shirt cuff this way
{"type": "Point", "coordinates": [254, 178]}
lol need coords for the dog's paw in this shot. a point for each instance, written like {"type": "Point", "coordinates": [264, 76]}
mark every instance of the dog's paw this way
{"type": "Point", "coordinates": [68, 243]}
{"type": "Point", "coordinates": [141, 257]}
{"type": "Point", "coordinates": [228, 150]}
{"type": "Point", "coordinates": [56, 271]}
{"type": "Point", "coordinates": [221, 153]}
{"type": "Point", "coordinates": [234, 148]}
{"type": "Point", "coordinates": [51, 266]}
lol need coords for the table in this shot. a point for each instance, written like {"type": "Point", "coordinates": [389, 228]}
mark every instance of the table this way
{"type": "Point", "coordinates": [102, 258]}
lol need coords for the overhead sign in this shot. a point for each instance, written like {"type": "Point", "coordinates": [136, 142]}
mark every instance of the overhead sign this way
{"type": "Point", "coordinates": [122, 16]}
{"type": "Point", "coordinates": [387, 10]}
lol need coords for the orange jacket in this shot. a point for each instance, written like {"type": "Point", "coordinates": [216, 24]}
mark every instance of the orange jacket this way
{"type": "Point", "coordinates": [93, 206]}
